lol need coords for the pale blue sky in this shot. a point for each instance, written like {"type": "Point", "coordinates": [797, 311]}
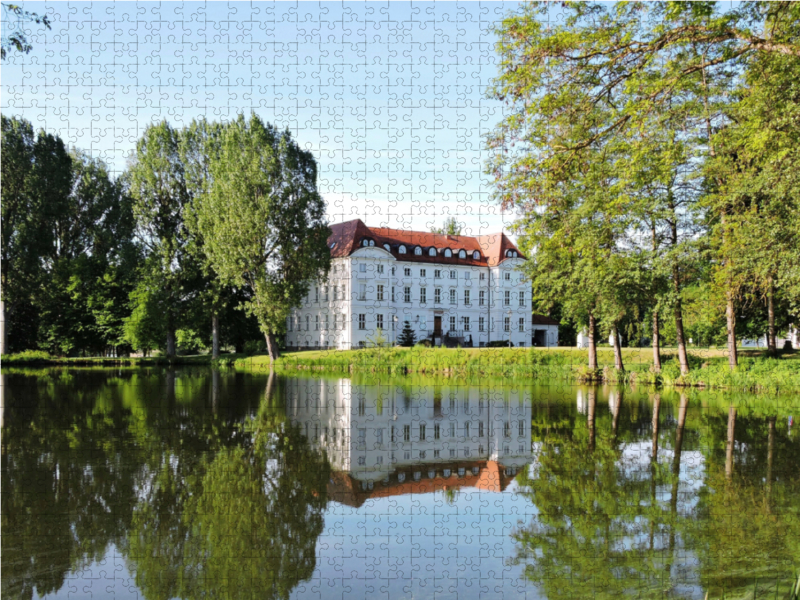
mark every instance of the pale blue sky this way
{"type": "Point", "coordinates": [389, 97]}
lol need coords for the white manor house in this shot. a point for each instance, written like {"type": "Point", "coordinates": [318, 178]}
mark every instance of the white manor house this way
{"type": "Point", "coordinates": [452, 289]}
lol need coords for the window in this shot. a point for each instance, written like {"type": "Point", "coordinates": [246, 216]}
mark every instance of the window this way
{"type": "Point", "coordinates": [392, 270]}
{"type": "Point", "coordinates": [407, 272]}
{"type": "Point", "coordinates": [365, 243]}
{"type": "Point", "coordinates": [437, 296]}
{"type": "Point", "coordinates": [466, 429]}
{"type": "Point", "coordinates": [422, 272]}
{"type": "Point", "coordinates": [481, 324]}
{"type": "Point", "coordinates": [452, 429]}
{"type": "Point", "coordinates": [394, 435]}
{"type": "Point", "coordinates": [462, 254]}
{"type": "Point", "coordinates": [316, 323]}
{"type": "Point", "coordinates": [401, 249]}
{"type": "Point", "coordinates": [392, 293]}
{"type": "Point", "coordinates": [522, 299]}
{"type": "Point", "coordinates": [482, 298]}
{"type": "Point", "coordinates": [308, 320]}
{"type": "Point", "coordinates": [465, 323]}
{"type": "Point", "coordinates": [380, 292]}
{"type": "Point", "coordinates": [326, 322]}
{"type": "Point", "coordinates": [436, 453]}
{"type": "Point", "coordinates": [452, 297]}
{"type": "Point", "coordinates": [387, 247]}
{"type": "Point", "coordinates": [379, 321]}
{"type": "Point", "coordinates": [325, 293]}
{"type": "Point", "coordinates": [333, 245]}
{"type": "Point", "coordinates": [466, 297]}
{"type": "Point", "coordinates": [482, 277]}
{"type": "Point", "coordinates": [506, 429]}
{"type": "Point", "coordinates": [452, 452]}
{"type": "Point", "coordinates": [436, 431]}
{"type": "Point", "coordinates": [423, 295]}
{"type": "Point", "coordinates": [417, 251]}
{"type": "Point", "coordinates": [448, 253]}
{"type": "Point", "coordinates": [476, 255]}
{"type": "Point", "coordinates": [316, 293]}
{"type": "Point", "coordinates": [507, 298]}
{"type": "Point", "coordinates": [437, 274]}
{"type": "Point", "coordinates": [289, 323]}
{"type": "Point", "coordinates": [422, 432]}
{"type": "Point", "coordinates": [467, 275]}
{"type": "Point", "coordinates": [407, 294]}
{"type": "Point", "coordinates": [507, 324]}
{"type": "Point", "coordinates": [362, 460]}
{"type": "Point", "coordinates": [362, 268]}
{"type": "Point", "coordinates": [380, 269]}
{"type": "Point", "coordinates": [362, 291]}
{"type": "Point", "coordinates": [362, 321]}
{"type": "Point", "coordinates": [432, 252]}
{"type": "Point", "coordinates": [480, 430]}
{"type": "Point", "coordinates": [452, 274]}
{"type": "Point", "coordinates": [521, 324]}
{"type": "Point", "coordinates": [452, 323]}
{"type": "Point", "coordinates": [507, 276]}
{"type": "Point", "coordinates": [521, 427]}
{"type": "Point", "coordinates": [406, 433]}
{"type": "Point", "coordinates": [335, 293]}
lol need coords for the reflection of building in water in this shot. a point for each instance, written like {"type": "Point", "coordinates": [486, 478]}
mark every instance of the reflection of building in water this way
{"type": "Point", "coordinates": [385, 440]}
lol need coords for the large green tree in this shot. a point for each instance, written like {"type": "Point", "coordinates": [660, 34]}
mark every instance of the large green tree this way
{"type": "Point", "coordinates": [263, 221]}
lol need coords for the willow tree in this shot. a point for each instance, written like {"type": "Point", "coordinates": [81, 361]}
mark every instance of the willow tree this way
{"type": "Point", "coordinates": [263, 220]}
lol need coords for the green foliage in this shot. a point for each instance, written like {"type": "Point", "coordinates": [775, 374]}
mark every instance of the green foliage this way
{"type": "Point", "coordinates": [14, 36]}
{"type": "Point", "coordinates": [407, 337]}
{"type": "Point", "coordinates": [272, 243]}
{"type": "Point", "coordinates": [451, 226]}
{"type": "Point", "coordinates": [145, 328]}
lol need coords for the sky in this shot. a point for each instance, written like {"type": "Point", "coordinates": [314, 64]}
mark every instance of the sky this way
{"type": "Point", "coordinates": [390, 97]}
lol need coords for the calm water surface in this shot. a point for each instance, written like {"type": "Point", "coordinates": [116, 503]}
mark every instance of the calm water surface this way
{"type": "Point", "coordinates": [196, 483]}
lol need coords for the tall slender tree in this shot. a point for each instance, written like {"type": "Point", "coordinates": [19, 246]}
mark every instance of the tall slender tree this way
{"type": "Point", "coordinates": [263, 221]}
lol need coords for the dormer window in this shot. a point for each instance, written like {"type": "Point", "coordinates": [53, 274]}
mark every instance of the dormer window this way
{"type": "Point", "coordinates": [476, 255]}
{"type": "Point", "coordinates": [387, 247]}
{"type": "Point", "coordinates": [432, 252]}
{"type": "Point", "coordinates": [511, 254]}
{"type": "Point", "coordinates": [365, 243]}
{"type": "Point", "coordinates": [462, 254]}
{"type": "Point", "coordinates": [372, 242]}
{"type": "Point", "coordinates": [333, 245]}
{"type": "Point", "coordinates": [418, 251]}
{"type": "Point", "coordinates": [448, 253]}
{"type": "Point", "coordinates": [401, 249]}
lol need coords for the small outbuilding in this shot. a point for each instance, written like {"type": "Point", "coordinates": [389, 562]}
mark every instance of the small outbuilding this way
{"type": "Point", "coordinates": [544, 332]}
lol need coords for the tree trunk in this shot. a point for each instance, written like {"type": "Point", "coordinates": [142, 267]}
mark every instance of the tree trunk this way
{"type": "Point", "coordinates": [682, 355]}
{"type": "Point", "coordinates": [730, 314]}
{"type": "Point", "coordinates": [772, 345]}
{"type": "Point", "coordinates": [656, 344]}
{"type": "Point", "coordinates": [171, 342]}
{"type": "Point", "coordinates": [617, 350]}
{"type": "Point", "coordinates": [272, 348]}
{"type": "Point", "coordinates": [617, 411]}
{"type": "Point", "coordinates": [729, 445]}
{"type": "Point", "coordinates": [592, 344]}
{"type": "Point", "coordinates": [215, 335]}
{"type": "Point", "coordinates": [3, 340]}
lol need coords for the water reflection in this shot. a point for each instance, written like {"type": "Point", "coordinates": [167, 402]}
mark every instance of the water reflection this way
{"type": "Point", "coordinates": [199, 483]}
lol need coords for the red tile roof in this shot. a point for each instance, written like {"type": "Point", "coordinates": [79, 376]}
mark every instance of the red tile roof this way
{"type": "Point", "coordinates": [347, 237]}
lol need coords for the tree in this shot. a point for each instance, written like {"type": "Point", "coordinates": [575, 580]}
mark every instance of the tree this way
{"type": "Point", "coordinates": [451, 226]}
{"type": "Point", "coordinates": [161, 199]}
{"type": "Point", "coordinates": [263, 221]}
{"type": "Point", "coordinates": [407, 337]}
{"type": "Point", "coordinates": [17, 38]}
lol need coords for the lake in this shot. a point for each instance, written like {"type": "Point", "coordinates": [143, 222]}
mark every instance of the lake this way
{"type": "Point", "coordinates": [153, 483]}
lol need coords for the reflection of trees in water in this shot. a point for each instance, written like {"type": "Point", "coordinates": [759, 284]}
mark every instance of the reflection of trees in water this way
{"type": "Point", "coordinates": [198, 503]}
{"type": "Point", "coordinates": [604, 530]}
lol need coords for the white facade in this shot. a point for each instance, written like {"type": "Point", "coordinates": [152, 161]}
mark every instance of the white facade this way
{"type": "Point", "coordinates": [378, 432]}
{"type": "Point", "coordinates": [372, 290]}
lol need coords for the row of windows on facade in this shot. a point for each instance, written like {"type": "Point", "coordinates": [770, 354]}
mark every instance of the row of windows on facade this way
{"type": "Point", "coordinates": [468, 431]}
{"type": "Point", "coordinates": [295, 323]}
{"type": "Point", "coordinates": [423, 455]}
{"type": "Point", "coordinates": [485, 401]}
{"type": "Point", "coordinates": [430, 251]}
{"type": "Point", "coordinates": [423, 273]}
{"type": "Point", "coordinates": [340, 293]}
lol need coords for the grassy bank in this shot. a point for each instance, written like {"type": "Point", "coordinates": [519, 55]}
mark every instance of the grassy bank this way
{"type": "Point", "coordinates": [709, 368]}
{"type": "Point", "coordinates": [37, 358]}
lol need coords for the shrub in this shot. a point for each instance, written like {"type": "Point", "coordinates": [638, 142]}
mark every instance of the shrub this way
{"type": "Point", "coordinates": [255, 346]}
